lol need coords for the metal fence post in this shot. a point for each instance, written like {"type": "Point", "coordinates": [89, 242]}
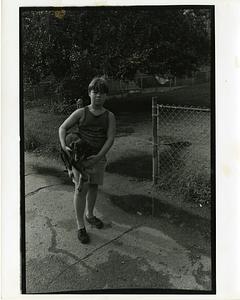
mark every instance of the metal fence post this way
{"type": "Point", "coordinates": [154, 139]}
{"type": "Point", "coordinates": [154, 149]}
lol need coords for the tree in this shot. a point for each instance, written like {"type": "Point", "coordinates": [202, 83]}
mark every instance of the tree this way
{"type": "Point", "coordinates": [114, 41]}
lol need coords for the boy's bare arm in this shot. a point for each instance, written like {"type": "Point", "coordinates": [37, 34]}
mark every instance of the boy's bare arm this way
{"type": "Point", "coordinates": [67, 124]}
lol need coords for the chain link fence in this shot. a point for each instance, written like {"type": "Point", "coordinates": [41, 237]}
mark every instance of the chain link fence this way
{"type": "Point", "coordinates": [181, 150]}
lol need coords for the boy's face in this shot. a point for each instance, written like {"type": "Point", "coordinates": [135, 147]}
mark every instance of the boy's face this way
{"type": "Point", "coordinates": [97, 98]}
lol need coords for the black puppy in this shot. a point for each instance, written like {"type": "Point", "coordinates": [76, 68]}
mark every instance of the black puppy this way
{"type": "Point", "coordinates": [80, 151]}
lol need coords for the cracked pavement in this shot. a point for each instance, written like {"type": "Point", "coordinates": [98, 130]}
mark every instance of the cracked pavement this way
{"type": "Point", "coordinates": [131, 251]}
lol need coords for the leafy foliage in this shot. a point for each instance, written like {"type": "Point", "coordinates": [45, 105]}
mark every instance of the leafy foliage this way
{"type": "Point", "coordinates": [75, 45]}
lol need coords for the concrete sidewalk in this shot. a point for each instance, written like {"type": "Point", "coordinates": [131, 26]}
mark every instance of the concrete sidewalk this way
{"type": "Point", "coordinates": [131, 251]}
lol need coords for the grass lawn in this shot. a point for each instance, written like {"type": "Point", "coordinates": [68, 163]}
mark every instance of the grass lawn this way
{"type": "Point", "coordinates": [196, 95]}
{"type": "Point", "coordinates": [41, 131]}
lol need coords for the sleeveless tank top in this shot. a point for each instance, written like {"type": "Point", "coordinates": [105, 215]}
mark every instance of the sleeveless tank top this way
{"type": "Point", "coordinates": [93, 129]}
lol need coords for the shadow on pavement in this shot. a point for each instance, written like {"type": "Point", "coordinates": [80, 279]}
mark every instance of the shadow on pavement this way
{"type": "Point", "coordinates": [182, 220]}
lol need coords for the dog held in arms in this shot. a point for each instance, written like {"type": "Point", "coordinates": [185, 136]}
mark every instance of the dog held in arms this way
{"type": "Point", "coordinates": [80, 151]}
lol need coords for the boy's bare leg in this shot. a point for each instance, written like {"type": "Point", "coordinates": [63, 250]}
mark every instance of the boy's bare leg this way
{"type": "Point", "coordinates": [91, 199]}
{"type": "Point", "coordinates": [79, 200]}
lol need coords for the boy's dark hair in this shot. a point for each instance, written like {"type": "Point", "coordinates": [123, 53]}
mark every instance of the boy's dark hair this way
{"type": "Point", "coordinates": [98, 84]}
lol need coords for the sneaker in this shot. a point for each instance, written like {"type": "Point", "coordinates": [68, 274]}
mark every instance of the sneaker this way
{"type": "Point", "coordinates": [83, 236]}
{"type": "Point", "coordinates": [95, 221]}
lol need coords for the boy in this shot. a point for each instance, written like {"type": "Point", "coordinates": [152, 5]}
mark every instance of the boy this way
{"type": "Point", "coordinates": [96, 126]}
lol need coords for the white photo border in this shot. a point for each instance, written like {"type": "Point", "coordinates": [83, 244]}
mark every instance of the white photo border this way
{"type": "Point", "coordinates": [227, 61]}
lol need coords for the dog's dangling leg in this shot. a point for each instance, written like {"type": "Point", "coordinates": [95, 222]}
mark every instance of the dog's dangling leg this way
{"type": "Point", "coordinates": [82, 181]}
{"type": "Point", "coordinates": [71, 175]}
{"type": "Point", "coordinates": [80, 185]}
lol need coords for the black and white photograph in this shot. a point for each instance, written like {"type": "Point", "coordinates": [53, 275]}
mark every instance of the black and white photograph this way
{"type": "Point", "coordinates": [149, 206]}
{"type": "Point", "coordinates": [117, 116]}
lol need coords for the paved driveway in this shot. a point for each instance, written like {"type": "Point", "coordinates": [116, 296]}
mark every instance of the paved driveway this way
{"type": "Point", "coordinates": [131, 251]}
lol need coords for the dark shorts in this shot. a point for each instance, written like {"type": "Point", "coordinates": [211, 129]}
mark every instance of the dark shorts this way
{"type": "Point", "coordinates": [96, 173]}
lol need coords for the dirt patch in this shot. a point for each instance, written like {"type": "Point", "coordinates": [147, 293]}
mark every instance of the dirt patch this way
{"type": "Point", "coordinates": [124, 131]}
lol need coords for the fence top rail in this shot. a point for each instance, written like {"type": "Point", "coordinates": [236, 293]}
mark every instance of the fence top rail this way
{"type": "Point", "coordinates": [183, 107]}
